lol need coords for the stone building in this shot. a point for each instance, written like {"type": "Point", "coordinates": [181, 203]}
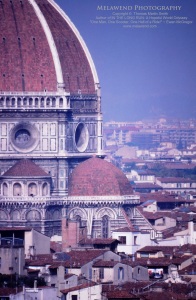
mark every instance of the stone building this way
{"type": "Point", "coordinates": [50, 111]}
{"type": "Point", "coordinates": [50, 124]}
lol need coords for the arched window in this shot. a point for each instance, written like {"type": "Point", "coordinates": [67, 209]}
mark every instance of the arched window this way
{"type": "Point", "coordinates": [3, 215]}
{"type": "Point", "coordinates": [24, 101]}
{"type": "Point", "coordinates": [7, 101]}
{"type": "Point", "coordinates": [53, 102]}
{"type": "Point", "coordinates": [33, 215]}
{"type": "Point", "coordinates": [1, 101]}
{"type": "Point", "coordinates": [78, 220]}
{"type": "Point", "coordinates": [32, 189]}
{"type": "Point", "coordinates": [56, 214]}
{"type": "Point", "coordinates": [17, 189]}
{"type": "Point", "coordinates": [61, 102]}
{"type": "Point", "coordinates": [13, 102]}
{"type": "Point", "coordinates": [48, 102]}
{"type": "Point", "coordinates": [105, 226]}
{"type": "Point", "coordinates": [42, 102]}
{"type": "Point", "coordinates": [45, 189]}
{"type": "Point", "coordinates": [19, 102]}
{"type": "Point", "coordinates": [30, 102]}
{"type": "Point", "coordinates": [36, 102]}
{"type": "Point", "coordinates": [49, 214]}
{"type": "Point", "coordinates": [15, 215]}
{"type": "Point", "coordinates": [5, 189]}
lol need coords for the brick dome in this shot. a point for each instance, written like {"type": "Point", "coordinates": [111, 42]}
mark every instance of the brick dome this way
{"type": "Point", "coordinates": [41, 50]}
{"type": "Point", "coordinates": [97, 177]}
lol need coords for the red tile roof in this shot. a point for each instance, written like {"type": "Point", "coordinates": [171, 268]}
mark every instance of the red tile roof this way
{"type": "Point", "coordinates": [6, 292]}
{"type": "Point", "coordinates": [15, 229]}
{"type": "Point", "coordinates": [106, 264]}
{"type": "Point", "coordinates": [25, 168]}
{"type": "Point", "coordinates": [56, 246]}
{"type": "Point", "coordinates": [162, 197]}
{"type": "Point", "coordinates": [174, 180]}
{"type": "Point", "coordinates": [97, 241]}
{"type": "Point", "coordinates": [121, 294]}
{"type": "Point", "coordinates": [154, 249]}
{"type": "Point", "coordinates": [124, 229]}
{"type": "Point", "coordinates": [78, 287]}
{"type": "Point", "coordinates": [40, 260]}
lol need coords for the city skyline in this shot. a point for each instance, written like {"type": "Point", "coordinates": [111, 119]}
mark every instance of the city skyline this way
{"type": "Point", "coordinates": [143, 72]}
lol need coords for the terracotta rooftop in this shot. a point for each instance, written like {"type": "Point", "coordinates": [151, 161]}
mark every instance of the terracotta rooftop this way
{"type": "Point", "coordinates": [146, 185]}
{"type": "Point", "coordinates": [15, 229]}
{"type": "Point", "coordinates": [40, 260]}
{"type": "Point", "coordinates": [76, 258]}
{"type": "Point", "coordinates": [174, 180]}
{"type": "Point", "coordinates": [154, 249]}
{"type": "Point", "coordinates": [160, 261]}
{"type": "Point", "coordinates": [78, 287]}
{"type": "Point", "coordinates": [121, 294]}
{"type": "Point", "coordinates": [124, 229]}
{"type": "Point", "coordinates": [148, 290]}
{"type": "Point", "coordinates": [188, 270]}
{"type": "Point", "coordinates": [25, 168]}
{"type": "Point", "coordinates": [169, 232]}
{"type": "Point", "coordinates": [160, 214]}
{"type": "Point", "coordinates": [106, 264]}
{"type": "Point", "coordinates": [162, 197]}
{"type": "Point", "coordinates": [97, 177]}
{"type": "Point", "coordinates": [6, 292]}
{"type": "Point", "coordinates": [56, 246]}
{"type": "Point", "coordinates": [97, 241]}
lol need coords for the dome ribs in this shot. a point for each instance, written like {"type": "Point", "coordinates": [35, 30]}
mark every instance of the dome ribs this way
{"type": "Point", "coordinates": [73, 59]}
{"type": "Point", "coordinates": [26, 61]}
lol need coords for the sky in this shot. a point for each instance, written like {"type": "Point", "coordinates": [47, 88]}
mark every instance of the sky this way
{"type": "Point", "coordinates": [144, 72]}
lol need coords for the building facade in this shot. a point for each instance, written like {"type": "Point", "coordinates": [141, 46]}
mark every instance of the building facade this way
{"type": "Point", "coordinates": [50, 124]}
{"type": "Point", "coordinates": [50, 107]}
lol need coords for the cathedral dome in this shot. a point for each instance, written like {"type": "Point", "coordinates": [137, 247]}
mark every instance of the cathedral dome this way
{"type": "Point", "coordinates": [97, 177]}
{"type": "Point", "coordinates": [41, 50]}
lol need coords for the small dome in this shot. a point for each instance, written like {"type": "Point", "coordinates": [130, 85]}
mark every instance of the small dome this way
{"type": "Point", "coordinates": [25, 168]}
{"type": "Point", "coordinates": [97, 177]}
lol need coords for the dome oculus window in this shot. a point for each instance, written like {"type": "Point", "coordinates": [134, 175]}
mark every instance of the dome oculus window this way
{"type": "Point", "coordinates": [24, 137]}
{"type": "Point", "coordinates": [81, 137]}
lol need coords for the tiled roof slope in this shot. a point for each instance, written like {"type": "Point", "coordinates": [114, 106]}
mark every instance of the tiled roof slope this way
{"type": "Point", "coordinates": [25, 168]}
{"type": "Point", "coordinates": [97, 177]}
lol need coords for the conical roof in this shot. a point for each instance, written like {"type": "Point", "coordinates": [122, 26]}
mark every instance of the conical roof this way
{"type": "Point", "coordinates": [25, 168]}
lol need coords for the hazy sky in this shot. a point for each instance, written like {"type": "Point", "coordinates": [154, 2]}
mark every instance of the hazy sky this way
{"type": "Point", "coordinates": [144, 72]}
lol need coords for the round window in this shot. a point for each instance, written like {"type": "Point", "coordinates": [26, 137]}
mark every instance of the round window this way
{"type": "Point", "coordinates": [81, 137]}
{"type": "Point", "coordinates": [24, 137]}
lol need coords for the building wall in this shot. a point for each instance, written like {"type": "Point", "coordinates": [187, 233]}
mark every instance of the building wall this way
{"type": "Point", "coordinates": [192, 232]}
{"type": "Point", "coordinates": [36, 243]}
{"type": "Point", "coordinates": [122, 273]}
{"type": "Point", "coordinates": [134, 241]}
{"type": "Point", "coordinates": [140, 273]}
{"type": "Point", "coordinates": [92, 293]}
{"type": "Point", "coordinates": [12, 260]}
{"type": "Point", "coordinates": [48, 293]}
{"type": "Point", "coordinates": [70, 234]}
